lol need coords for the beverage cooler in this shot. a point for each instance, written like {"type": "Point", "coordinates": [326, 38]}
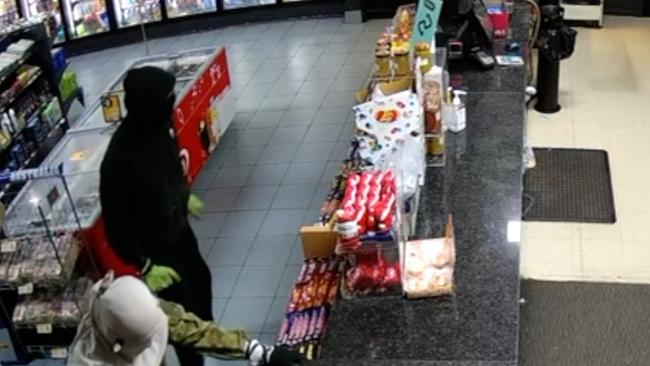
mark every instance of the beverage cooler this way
{"type": "Point", "coordinates": [204, 109]}
{"type": "Point", "coordinates": [8, 12]}
{"type": "Point", "coordinates": [51, 8]}
{"type": "Point", "coordinates": [86, 17]}
{"type": "Point", "coordinates": [181, 8]}
{"type": "Point", "coordinates": [134, 12]}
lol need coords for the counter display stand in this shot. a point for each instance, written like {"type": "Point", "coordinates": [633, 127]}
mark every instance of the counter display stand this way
{"type": "Point", "coordinates": [46, 270]}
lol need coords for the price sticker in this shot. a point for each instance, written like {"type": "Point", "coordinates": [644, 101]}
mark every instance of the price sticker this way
{"type": "Point", "coordinates": [26, 289]}
{"type": "Point", "coordinates": [8, 246]}
{"type": "Point", "coordinates": [45, 328]}
{"type": "Point", "coordinates": [59, 352]}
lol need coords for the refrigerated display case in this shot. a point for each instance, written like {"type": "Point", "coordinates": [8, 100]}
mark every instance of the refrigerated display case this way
{"type": "Point", "coordinates": [202, 113]}
{"type": "Point", "coordinates": [134, 12]}
{"type": "Point", "coordinates": [181, 8]}
{"type": "Point", "coordinates": [50, 8]}
{"type": "Point", "coordinates": [233, 4]}
{"type": "Point", "coordinates": [86, 17]}
{"type": "Point", "coordinates": [8, 12]}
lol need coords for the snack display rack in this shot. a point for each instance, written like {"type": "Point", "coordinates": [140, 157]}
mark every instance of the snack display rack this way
{"type": "Point", "coordinates": [43, 276]}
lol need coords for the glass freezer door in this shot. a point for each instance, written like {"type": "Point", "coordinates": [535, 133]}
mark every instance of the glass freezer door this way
{"type": "Point", "coordinates": [33, 8]}
{"type": "Point", "coordinates": [181, 8]}
{"type": "Point", "coordinates": [232, 4]}
{"type": "Point", "coordinates": [86, 17]}
{"type": "Point", "coordinates": [8, 12]}
{"type": "Point", "coordinates": [134, 12]}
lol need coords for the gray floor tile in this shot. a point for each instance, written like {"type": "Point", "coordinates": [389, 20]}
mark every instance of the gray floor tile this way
{"type": "Point", "coordinates": [266, 119]}
{"type": "Point", "coordinates": [318, 38]}
{"type": "Point", "coordinates": [247, 155]}
{"type": "Point", "coordinates": [323, 133]}
{"type": "Point", "coordinates": [340, 99]}
{"type": "Point", "coordinates": [315, 86]}
{"type": "Point", "coordinates": [208, 225]}
{"type": "Point", "coordinates": [359, 58]}
{"type": "Point", "coordinates": [223, 280]}
{"type": "Point", "coordinates": [297, 256]}
{"type": "Point", "coordinates": [266, 76]}
{"type": "Point", "coordinates": [273, 103]}
{"type": "Point", "coordinates": [312, 215]}
{"type": "Point", "coordinates": [273, 65]}
{"type": "Point", "coordinates": [269, 337]}
{"type": "Point", "coordinates": [230, 251]}
{"type": "Point", "coordinates": [247, 104]}
{"type": "Point", "coordinates": [282, 222]}
{"type": "Point", "coordinates": [256, 136]}
{"type": "Point", "coordinates": [285, 88]}
{"type": "Point", "coordinates": [218, 307]}
{"type": "Point", "coordinates": [288, 280]}
{"type": "Point", "coordinates": [324, 72]}
{"type": "Point", "coordinates": [307, 100]}
{"type": "Point", "coordinates": [209, 361]}
{"type": "Point", "coordinates": [348, 84]}
{"type": "Point", "coordinates": [349, 129]}
{"type": "Point", "coordinates": [256, 281]}
{"type": "Point", "coordinates": [205, 245]}
{"type": "Point", "coordinates": [267, 175]}
{"type": "Point", "coordinates": [294, 196]}
{"type": "Point", "coordinates": [270, 250]}
{"type": "Point", "coordinates": [257, 90]}
{"type": "Point", "coordinates": [276, 316]}
{"type": "Point", "coordinates": [203, 180]}
{"type": "Point", "coordinates": [294, 74]}
{"type": "Point", "coordinates": [312, 152]}
{"type": "Point", "coordinates": [321, 193]}
{"type": "Point", "coordinates": [332, 115]}
{"type": "Point", "coordinates": [330, 171]}
{"type": "Point", "coordinates": [256, 198]}
{"type": "Point", "coordinates": [278, 153]}
{"type": "Point", "coordinates": [230, 177]}
{"type": "Point", "coordinates": [288, 135]}
{"type": "Point", "coordinates": [241, 120]}
{"type": "Point", "coordinates": [220, 199]}
{"type": "Point", "coordinates": [303, 60]}
{"type": "Point", "coordinates": [332, 59]}
{"type": "Point", "coordinates": [298, 117]}
{"type": "Point", "coordinates": [339, 48]}
{"type": "Point", "coordinates": [246, 313]}
{"type": "Point", "coordinates": [229, 138]}
{"type": "Point", "coordinates": [342, 149]}
{"type": "Point", "coordinates": [242, 223]}
{"type": "Point", "coordinates": [304, 173]}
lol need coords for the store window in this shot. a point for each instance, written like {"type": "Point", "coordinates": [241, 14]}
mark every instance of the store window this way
{"type": "Point", "coordinates": [232, 4]}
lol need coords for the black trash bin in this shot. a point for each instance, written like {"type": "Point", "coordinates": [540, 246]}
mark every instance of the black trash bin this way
{"type": "Point", "coordinates": [556, 42]}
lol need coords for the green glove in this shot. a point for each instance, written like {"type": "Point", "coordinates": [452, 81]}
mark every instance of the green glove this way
{"type": "Point", "coordinates": [195, 206]}
{"type": "Point", "coordinates": [161, 277]}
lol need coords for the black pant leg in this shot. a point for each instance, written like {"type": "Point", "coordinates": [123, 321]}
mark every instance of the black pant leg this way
{"type": "Point", "coordinates": [187, 356]}
{"type": "Point", "coordinates": [201, 277]}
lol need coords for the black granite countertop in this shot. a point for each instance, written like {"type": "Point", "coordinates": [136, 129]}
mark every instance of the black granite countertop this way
{"type": "Point", "coordinates": [481, 185]}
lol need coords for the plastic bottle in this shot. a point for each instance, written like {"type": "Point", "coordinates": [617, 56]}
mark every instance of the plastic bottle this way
{"type": "Point", "coordinates": [459, 112]}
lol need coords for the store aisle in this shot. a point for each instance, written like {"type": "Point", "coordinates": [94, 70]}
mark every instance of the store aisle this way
{"type": "Point", "coordinates": [295, 83]}
{"type": "Point", "coordinates": [605, 88]}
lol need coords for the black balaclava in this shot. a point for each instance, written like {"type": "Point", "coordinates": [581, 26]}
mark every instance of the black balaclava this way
{"type": "Point", "coordinates": [149, 99]}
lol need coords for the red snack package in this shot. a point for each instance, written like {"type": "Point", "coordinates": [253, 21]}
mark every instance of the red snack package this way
{"type": "Point", "coordinates": [392, 277]}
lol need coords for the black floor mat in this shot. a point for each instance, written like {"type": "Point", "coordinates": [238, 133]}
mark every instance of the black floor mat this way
{"type": "Point", "coordinates": [584, 324]}
{"type": "Point", "coordinates": [569, 185]}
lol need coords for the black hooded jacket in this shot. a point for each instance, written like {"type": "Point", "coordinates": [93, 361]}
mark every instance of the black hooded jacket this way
{"type": "Point", "coordinates": [142, 188]}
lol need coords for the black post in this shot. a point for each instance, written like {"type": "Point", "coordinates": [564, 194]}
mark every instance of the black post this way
{"type": "Point", "coordinates": [548, 82]}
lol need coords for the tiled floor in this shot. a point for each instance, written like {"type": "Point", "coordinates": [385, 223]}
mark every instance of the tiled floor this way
{"type": "Point", "coordinates": [605, 89]}
{"type": "Point", "coordinates": [295, 83]}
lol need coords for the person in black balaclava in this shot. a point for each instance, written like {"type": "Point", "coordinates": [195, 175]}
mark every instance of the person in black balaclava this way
{"type": "Point", "coordinates": [144, 197]}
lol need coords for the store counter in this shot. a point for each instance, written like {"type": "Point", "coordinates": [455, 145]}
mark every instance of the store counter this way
{"type": "Point", "coordinates": [481, 185]}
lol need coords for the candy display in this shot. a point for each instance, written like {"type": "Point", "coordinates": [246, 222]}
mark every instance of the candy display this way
{"type": "Point", "coordinates": [429, 266]}
{"type": "Point", "coordinates": [34, 260]}
{"type": "Point", "coordinates": [61, 309]}
{"type": "Point", "coordinates": [314, 292]}
{"type": "Point", "coordinates": [375, 270]}
{"type": "Point", "coordinates": [367, 209]}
